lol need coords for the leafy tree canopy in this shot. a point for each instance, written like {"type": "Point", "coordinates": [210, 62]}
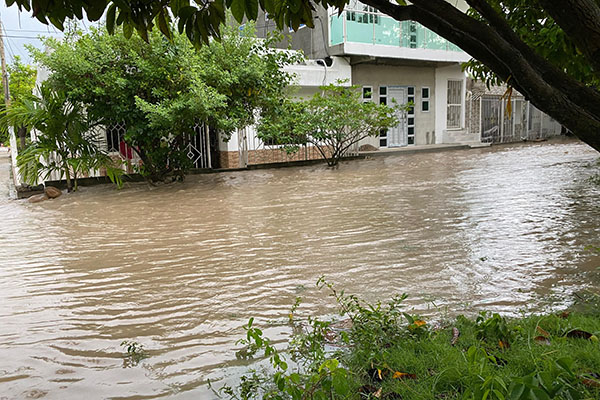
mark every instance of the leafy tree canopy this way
{"type": "Point", "coordinates": [67, 142]}
{"type": "Point", "coordinates": [200, 20]}
{"type": "Point", "coordinates": [548, 50]}
{"type": "Point", "coordinates": [161, 88]}
{"type": "Point", "coordinates": [21, 82]}
{"type": "Point", "coordinates": [538, 29]}
{"type": "Point", "coordinates": [332, 120]}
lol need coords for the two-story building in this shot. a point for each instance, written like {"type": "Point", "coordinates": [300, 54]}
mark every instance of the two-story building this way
{"type": "Point", "coordinates": [392, 61]}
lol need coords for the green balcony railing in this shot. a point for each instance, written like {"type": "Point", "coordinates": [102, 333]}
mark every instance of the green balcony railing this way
{"type": "Point", "coordinates": [374, 28]}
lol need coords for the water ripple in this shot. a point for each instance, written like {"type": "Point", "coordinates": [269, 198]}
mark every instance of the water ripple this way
{"type": "Point", "coordinates": [181, 268]}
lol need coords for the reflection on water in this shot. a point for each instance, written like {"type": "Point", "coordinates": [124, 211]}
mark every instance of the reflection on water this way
{"type": "Point", "coordinates": [180, 268]}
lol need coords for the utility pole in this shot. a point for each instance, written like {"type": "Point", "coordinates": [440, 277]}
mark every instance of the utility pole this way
{"type": "Point", "coordinates": [4, 74]}
{"type": "Point", "coordinates": [11, 132]}
{"type": "Point", "coordinates": [6, 88]}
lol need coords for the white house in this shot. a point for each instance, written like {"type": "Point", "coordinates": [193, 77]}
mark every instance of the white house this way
{"type": "Point", "coordinates": [393, 62]}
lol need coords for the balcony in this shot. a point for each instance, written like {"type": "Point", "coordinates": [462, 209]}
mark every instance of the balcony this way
{"type": "Point", "coordinates": [369, 32]}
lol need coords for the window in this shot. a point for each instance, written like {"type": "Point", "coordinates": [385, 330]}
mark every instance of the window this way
{"type": "Point", "coordinates": [383, 100]}
{"type": "Point", "coordinates": [369, 17]}
{"type": "Point", "coordinates": [367, 93]}
{"type": "Point", "coordinates": [410, 120]}
{"type": "Point", "coordinates": [454, 102]}
{"type": "Point", "coordinates": [425, 99]}
{"type": "Point", "coordinates": [383, 138]}
{"type": "Point", "coordinates": [413, 35]}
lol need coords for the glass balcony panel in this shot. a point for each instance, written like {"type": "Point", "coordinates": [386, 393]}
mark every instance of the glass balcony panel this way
{"type": "Point", "coordinates": [387, 31]}
{"type": "Point", "coordinates": [370, 28]}
{"type": "Point", "coordinates": [337, 29]}
{"type": "Point", "coordinates": [358, 28]}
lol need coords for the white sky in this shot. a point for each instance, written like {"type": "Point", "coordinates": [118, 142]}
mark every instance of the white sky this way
{"type": "Point", "coordinates": [21, 29]}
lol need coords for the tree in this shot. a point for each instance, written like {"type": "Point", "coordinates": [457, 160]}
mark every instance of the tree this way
{"type": "Point", "coordinates": [510, 38]}
{"type": "Point", "coordinates": [161, 88]}
{"type": "Point", "coordinates": [66, 141]}
{"type": "Point", "coordinates": [332, 120]}
{"type": "Point", "coordinates": [21, 83]}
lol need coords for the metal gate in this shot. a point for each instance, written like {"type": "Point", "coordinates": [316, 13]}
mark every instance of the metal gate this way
{"type": "Point", "coordinates": [498, 123]}
{"type": "Point", "coordinates": [196, 145]}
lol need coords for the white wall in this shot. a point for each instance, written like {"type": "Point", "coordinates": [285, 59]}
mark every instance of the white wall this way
{"type": "Point", "coordinates": [313, 74]}
{"type": "Point", "coordinates": [442, 76]}
{"type": "Point", "coordinates": [308, 79]}
{"type": "Point", "coordinates": [389, 75]}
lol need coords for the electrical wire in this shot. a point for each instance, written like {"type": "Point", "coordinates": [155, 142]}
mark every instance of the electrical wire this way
{"type": "Point", "coordinates": [11, 49]}
{"type": "Point", "coordinates": [26, 30]}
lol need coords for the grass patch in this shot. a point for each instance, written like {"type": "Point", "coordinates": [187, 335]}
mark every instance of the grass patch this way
{"type": "Point", "coordinates": [376, 351]}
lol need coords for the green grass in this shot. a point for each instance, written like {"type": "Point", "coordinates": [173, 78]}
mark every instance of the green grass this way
{"type": "Point", "coordinates": [443, 371]}
{"type": "Point", "coordinates": [384, 353]}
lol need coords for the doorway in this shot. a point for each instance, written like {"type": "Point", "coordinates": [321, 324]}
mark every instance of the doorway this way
{"type": "Point", "coordinates": [398, 135]}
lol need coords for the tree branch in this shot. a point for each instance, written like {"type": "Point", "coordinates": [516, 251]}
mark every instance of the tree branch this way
{"type": "Point", "coordinates": [547, 70]}
{"type": "Point", "coordinates": [487, 45]}
{"type": "Point", "coordinates": [580, 19]}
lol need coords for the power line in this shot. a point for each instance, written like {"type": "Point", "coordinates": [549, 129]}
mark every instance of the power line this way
{"type": "Point", "coordinates": [26, 30]}
{"type": "Point", "coordinates": [10, 48]}
{"type": "Point", "coordinates": [24, 37]}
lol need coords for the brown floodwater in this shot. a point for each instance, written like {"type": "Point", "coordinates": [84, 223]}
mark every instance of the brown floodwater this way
{"type": "Point", "coordinates": [180, 268]}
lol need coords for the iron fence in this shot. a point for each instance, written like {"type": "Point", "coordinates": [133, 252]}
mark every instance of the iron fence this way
{"type": "Point", "coordinates": [498, 122]}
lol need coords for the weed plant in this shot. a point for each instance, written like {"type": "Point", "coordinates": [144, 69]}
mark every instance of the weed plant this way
{"type": "Point", "coordinates": [376, 351]}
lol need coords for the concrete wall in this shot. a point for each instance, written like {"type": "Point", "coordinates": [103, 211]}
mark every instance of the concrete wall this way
{"type": "Point", "coordinates": [442, 76]}
{"type": "Point", "coordinates": [313, 42]}
{"type": "Point", "coordinates": [315, 73]}
{"type": "Point", "coordinates": [388, 75]}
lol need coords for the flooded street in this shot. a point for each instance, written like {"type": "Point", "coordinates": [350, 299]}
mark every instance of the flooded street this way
{"type": "Point", "coordinates": [180, 268]}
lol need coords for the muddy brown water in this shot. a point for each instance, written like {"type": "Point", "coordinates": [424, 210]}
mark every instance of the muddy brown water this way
{"type": "Point", "coordinates": [181, 268]}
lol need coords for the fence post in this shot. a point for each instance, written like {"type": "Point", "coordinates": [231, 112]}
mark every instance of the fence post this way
{"type": "Point", "coordinates": [14, 152]}
{"type": "Point", "coordinates": [501, 121]}
{"type": "Point", "coordinates": [527, 120]}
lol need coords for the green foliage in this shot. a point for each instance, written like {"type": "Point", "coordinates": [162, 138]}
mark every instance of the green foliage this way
{"type": "Point", "coordinates": [134, 353]}
{"type": "Point", "coordinates": [535, 27]}
{"type": "Point", "coordinates": [332, 120]}
{"type": "Point", "coordinates": [199, 21]}
{"type": "Point", "coordinates": [377, 354]}
{"type": "Point", "coordinates": [161, 88]}
{"type": "Point", "coordinates": [66, 141]}
{"type": "Point", "coordinates": [321, 378]}
{"type": "Point", "coordinates": [21, 81]}
{"type": "Point", "coordinates": [494, 329]}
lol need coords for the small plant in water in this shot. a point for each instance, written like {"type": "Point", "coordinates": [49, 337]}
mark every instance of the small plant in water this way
{"type": "Point", "coordinates": [134, 353]}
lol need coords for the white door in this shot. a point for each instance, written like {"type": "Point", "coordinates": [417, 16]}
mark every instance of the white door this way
{"type": "Point", "coordinates": [398, 135]}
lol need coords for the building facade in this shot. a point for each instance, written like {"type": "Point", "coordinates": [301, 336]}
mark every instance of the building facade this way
{"type": "Point", "coordinates": [394, 63]}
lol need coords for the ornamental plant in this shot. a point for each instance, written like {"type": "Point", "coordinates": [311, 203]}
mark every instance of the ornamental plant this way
{"type": "Point", "coordinates": [333, 120]}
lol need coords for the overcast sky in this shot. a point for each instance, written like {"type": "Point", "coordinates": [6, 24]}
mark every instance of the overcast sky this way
{"type": "Point", "coordinates": [21, 29]}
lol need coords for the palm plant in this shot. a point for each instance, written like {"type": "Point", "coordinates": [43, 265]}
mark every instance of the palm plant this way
{"type": "Point", "coordinates": [67, 140]}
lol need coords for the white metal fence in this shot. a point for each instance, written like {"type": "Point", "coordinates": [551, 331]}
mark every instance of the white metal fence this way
{"type": "Point", "coordinates": [496, 122]}
{"type": "Point", "coordinates": [112, 140]}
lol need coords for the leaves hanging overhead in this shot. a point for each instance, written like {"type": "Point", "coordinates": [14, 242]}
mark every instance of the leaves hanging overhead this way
{"type": "Point", "coordinates": [201, 20]}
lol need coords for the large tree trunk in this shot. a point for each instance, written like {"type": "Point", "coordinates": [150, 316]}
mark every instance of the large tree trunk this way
{"type": "Point", "coordinates": [496, 45]}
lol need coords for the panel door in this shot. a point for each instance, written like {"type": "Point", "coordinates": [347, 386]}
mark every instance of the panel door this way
{"type": "Point", "coordinates": [398, 135]}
